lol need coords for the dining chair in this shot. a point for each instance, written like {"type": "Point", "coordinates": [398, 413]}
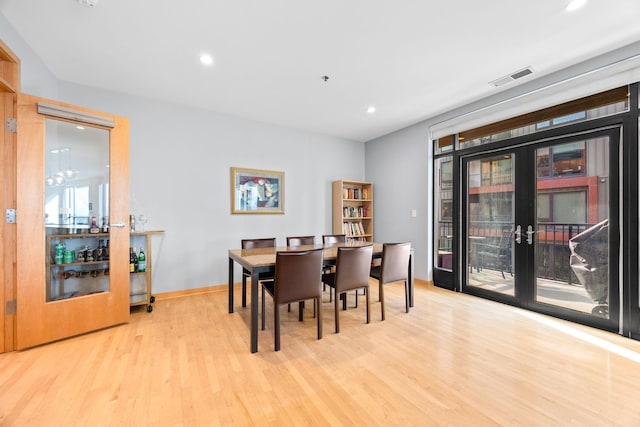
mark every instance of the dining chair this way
{"type": "Point", "coordinates": [294, 241]}
{"type": "Point", "coordinates": [330, 240]}
{"type": "Point", "coordinates": [353, 265]}
{"type": "Point", "coordinates": [301, 240]}
{"type": "Point", "coordinates": [298, 278]}
{"type": "Point", "coordinates": [394, 267]}
{"type": "Point", "coordinates": [252, 244]}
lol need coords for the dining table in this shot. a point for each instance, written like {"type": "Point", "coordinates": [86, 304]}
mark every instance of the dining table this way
{"type": "Point", "coordinates": [261, 260]}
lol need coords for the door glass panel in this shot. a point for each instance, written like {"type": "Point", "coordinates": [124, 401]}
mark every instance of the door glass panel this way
{"type": "Point", "coordinates": [443, 199]}
{"type": "Point", "coordinates": [490, 213]}
{"type": "Point", "coordinates": [76, 210]}
{"type": "Point", "coordinates": [571, 232]}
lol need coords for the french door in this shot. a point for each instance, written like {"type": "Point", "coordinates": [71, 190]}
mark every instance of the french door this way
{"type": "Point", "coordinates": [540, 226]}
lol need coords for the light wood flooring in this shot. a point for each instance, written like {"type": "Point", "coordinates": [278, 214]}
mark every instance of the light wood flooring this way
{"type": "Point", "coordinates": [454, 360]}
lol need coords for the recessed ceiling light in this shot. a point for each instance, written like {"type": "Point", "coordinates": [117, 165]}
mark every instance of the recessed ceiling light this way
{"type": "Point", "coordinates": [575, 5]}
{"type": "Point", "coordinates": [371, 110]}
{"type": "Point", "coordinates": [206, 59]}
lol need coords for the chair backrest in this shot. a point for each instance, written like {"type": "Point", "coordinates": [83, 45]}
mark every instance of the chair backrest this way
{"type": "Point", "coordinates": [352, 267]}
{"type": "Point", "coordinates": [301, 240]}
{"type": "Point", "coordinates": [395, 262]}
{"type": "Point", "coordinates": [258, 243]}
{"type": "Point", "coordinates": [298, 275]}
{"type": "Point", "coordinates": [332, 239]}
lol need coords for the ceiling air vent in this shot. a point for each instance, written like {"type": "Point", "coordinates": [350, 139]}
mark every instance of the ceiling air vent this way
{"type": "Point", "coordinates": [511, 77]}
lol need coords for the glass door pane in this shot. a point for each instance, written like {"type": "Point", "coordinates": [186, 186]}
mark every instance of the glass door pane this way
{"type": "Point", "coordinates": [76, 210]}
{"type": "Point", "coordinates": [572, 226]}
{"type": "Point", "coordinates": [490, 223]}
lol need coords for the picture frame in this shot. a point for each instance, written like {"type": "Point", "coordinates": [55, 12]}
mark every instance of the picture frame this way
{"type": "Point", "coordinates": [256, 191]}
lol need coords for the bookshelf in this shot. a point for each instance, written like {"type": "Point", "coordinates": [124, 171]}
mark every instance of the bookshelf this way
{"type": "Point", "coordinates": [353, 210]}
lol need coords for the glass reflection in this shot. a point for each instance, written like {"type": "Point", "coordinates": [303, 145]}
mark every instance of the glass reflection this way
{"type": "Point", "coordinates": [77, 176]}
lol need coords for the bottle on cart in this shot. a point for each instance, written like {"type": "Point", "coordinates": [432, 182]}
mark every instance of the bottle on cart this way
{"type": "Point", "coordinates": [94, 226]}
{"type": "Point", "coordinates": [133, 260]}
{"type": "Point", "coordinates": [142, 261]}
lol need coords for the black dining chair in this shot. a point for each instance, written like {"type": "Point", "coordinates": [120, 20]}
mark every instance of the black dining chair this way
{"type": "Point", "coordinates": [353, 266]}
{"type": "Point", "coordinates": [252, 244]}
{"type": "Point", "coordinates": [394, 267]}
{"type": "Point", "coordinates": [298, 278]}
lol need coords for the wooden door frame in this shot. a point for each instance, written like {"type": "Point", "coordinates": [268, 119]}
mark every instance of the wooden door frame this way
{"type": "Point", "coordinates": [9, 87]}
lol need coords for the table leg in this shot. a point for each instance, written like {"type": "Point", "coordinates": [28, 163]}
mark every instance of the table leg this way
{"type": "Point", "coordinates": [254, 311]}
{"type": "Point", "coordinates": [230, 285]}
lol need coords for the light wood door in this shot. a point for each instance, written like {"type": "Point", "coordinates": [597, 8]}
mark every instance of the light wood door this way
{"type": "Point", "coordinates": [40, 318]}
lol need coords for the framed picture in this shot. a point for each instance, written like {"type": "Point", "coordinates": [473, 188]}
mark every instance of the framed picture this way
{"type": "Point", "coordinates": [255, 191]}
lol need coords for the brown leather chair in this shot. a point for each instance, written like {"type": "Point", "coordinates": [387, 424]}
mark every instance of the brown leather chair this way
{"type": "Point", "coordinates": [353, 265]}
{"type": "Point", "coordinates": [251, 244]}
{"type": "Point", "coordinates": [393, 268]}
{"type": "Point", "coordinates": [301, 240]}
{"type": "Point", "coordinates": [330, 240]}
{"type": "Point", "coordinates": [298, 278]}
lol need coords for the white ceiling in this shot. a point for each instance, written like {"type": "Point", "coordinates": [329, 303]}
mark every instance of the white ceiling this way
{"type": "Point", "coordinates": [412, 59]}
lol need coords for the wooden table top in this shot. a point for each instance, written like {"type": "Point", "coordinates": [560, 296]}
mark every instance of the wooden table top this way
{"type": "Point", "coordinates": [264, 257]}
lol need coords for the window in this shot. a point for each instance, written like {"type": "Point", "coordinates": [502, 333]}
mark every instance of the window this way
{"type": "Point", "coordinates": [566, 207]}
{"type": "Point", "coordinates": [561, 160]}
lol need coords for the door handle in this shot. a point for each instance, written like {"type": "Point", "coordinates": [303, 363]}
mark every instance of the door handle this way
{"type": "Point", "coordinates": [518, 234]}
{"type": "Point", "coordinates": [530, 233]}
{"type": "Point", "coordinates": [118, 224]}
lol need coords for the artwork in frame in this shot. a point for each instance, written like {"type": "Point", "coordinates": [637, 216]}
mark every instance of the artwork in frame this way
{"type": "Point", "coordinates": [255, 191]}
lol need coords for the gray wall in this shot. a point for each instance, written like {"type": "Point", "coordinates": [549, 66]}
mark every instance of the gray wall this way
{"type": "Point", "coordinates": [399, 166]}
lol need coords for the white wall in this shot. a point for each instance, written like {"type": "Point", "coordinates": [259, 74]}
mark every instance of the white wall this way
{"type": "Point", "coordinates": [180, 174]}
{"type": "Point", "coordinates": [180, 178]}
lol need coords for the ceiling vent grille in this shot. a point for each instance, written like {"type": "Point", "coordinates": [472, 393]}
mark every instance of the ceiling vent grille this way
{"type": "Point", "coordinates": [511, 77]}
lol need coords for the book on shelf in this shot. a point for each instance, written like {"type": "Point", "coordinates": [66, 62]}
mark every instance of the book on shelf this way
{"type": "Point", "coordinates": [355, 193]}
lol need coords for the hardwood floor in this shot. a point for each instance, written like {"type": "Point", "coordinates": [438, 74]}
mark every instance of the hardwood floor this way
{"type": "Point", "coordinates": [454, 360]}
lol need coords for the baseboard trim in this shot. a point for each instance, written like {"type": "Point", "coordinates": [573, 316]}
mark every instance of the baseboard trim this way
{"type": "Point", "coordinates": [223, 288]}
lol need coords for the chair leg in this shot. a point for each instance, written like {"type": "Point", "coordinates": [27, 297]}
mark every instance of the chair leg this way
{"type": "Point", "coordinates": [276, 323]}
{"type": "Point", "coordinates": [336, 315]}
{"type": "Point", "coordinates": [366, 291]}
{"type": "Point", "coordinates": [318, 300]}
{"type": "Point", "coordinates": [343, 297]}
{"type": "Point", "coordinates": [406, 294]}
{"type": "Point", "coordinates": [381, 292]}
{"type": "Point", "coordinates": [300, 310]}
{"type": "Point", "coordinates": [263, 308]}
{"type": "Point", "coordinates": [356, 298]}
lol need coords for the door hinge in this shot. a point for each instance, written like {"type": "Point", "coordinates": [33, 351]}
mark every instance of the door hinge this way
{"type": "Point", "coordinates": [12, 125]}
{"type": "Point", "coordinates": [10, 215]}
{"type": "Point", "coordinates": [10, 307]}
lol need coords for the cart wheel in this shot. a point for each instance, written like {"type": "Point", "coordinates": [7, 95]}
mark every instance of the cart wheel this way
{"type": "Point", "coordinates": [152, 299]}
{"type": "Point", "coordinates": [149, 308]}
